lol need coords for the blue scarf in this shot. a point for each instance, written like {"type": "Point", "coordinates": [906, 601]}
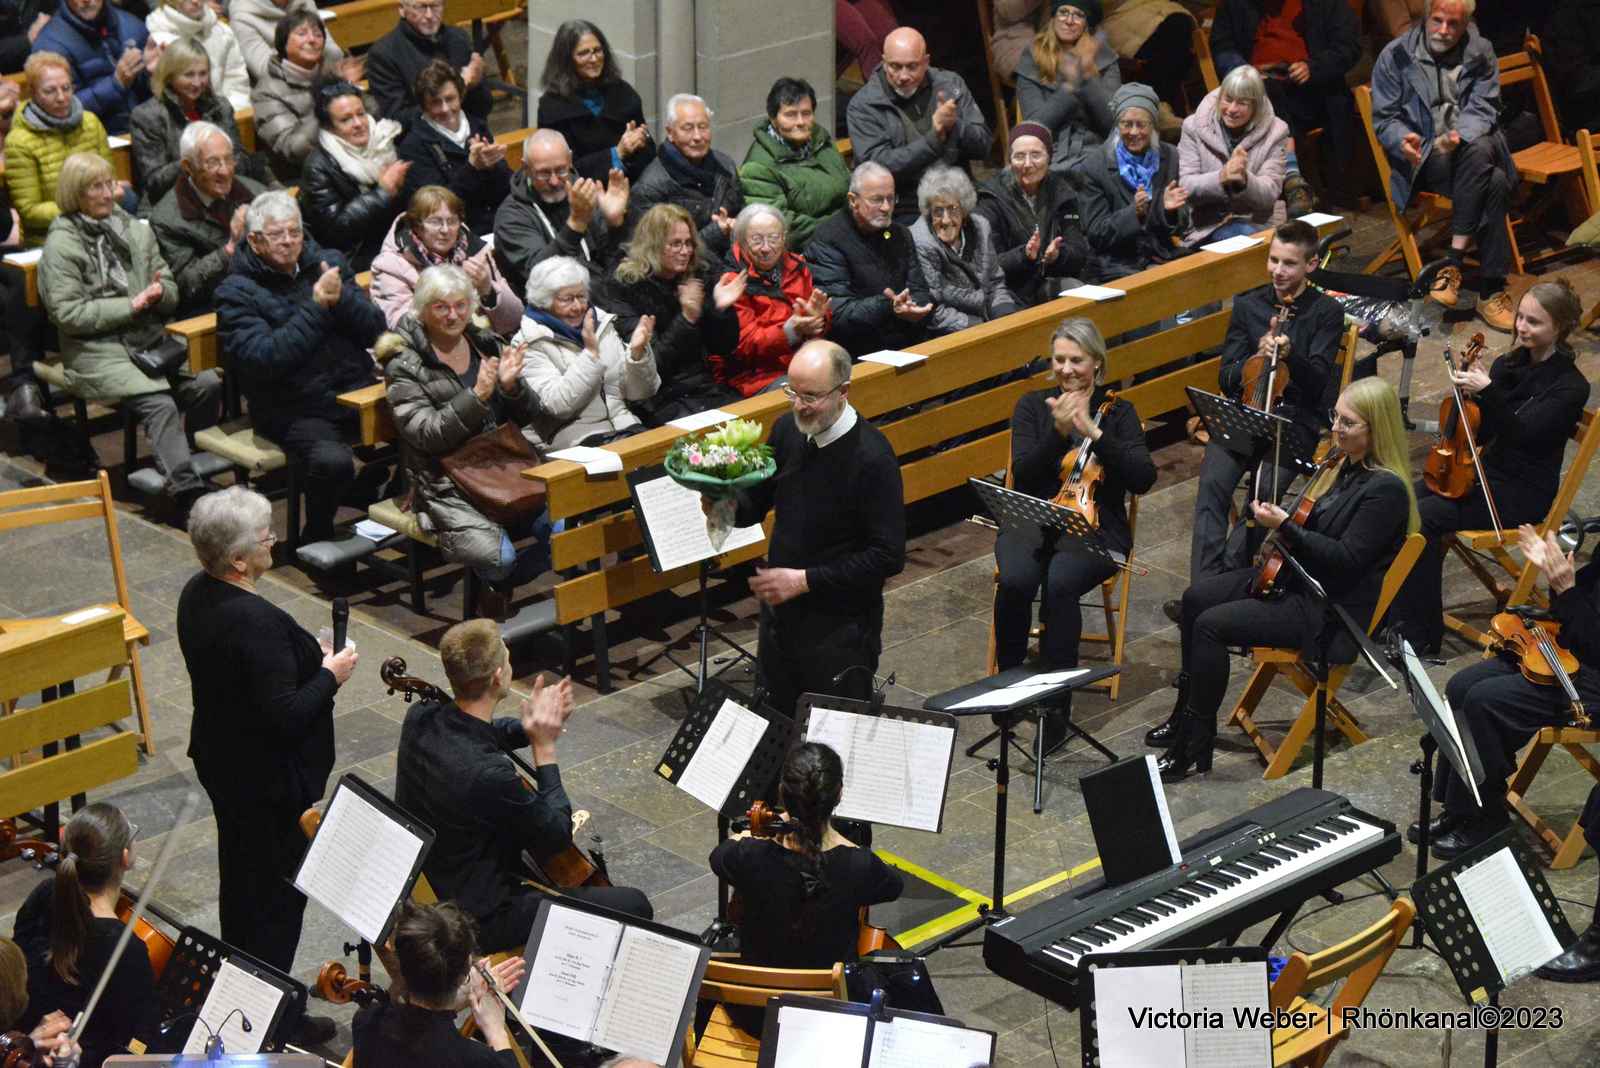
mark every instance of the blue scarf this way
{"type": "Point", "coordinates": [559, 328]}
{"type": "Point", "coordinates": [1138, 171]}
{"type": "Point", "coordinates": [592, 99]}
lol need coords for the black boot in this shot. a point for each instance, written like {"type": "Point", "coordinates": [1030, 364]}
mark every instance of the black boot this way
{"type": "Point", "coordinates": [1162, 734]}
{"type": "Point", "coordinates": [1473, 830]}
{"type": "Point", "coordinates": [1439, 826]}
{"type": "Point", "coordinates": [1191, 749]}
{"type": "Point", "coordinates": [1579, 964]}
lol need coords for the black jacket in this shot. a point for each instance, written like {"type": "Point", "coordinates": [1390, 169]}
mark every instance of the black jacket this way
{"type": "Point", "coordinates": [341, 212]}
{"type": "Point", "coordinates": [1529, 412]}
{"type": "Point", "coordinates": [1314, 334]}
{"type": "Point", "coordinates": [1329, 28]}
{"type": "Point", "coordinates": [453, 775]}
{"type": "Point", "coordinates": [1037, 450]}
{"type": "Point", "coordinates": [525, 235]}
{"type": "Point", "coordinates": [396, 59]}
{"type": "Point", "coordinates": [293, 356]}
{"type": "Point", "coordinates": [1122, 244]}
{"type": "Point", "coordinates": [194, 242]}
{"type": "Point", "coordinates": [263, 702]}
{"type": "Point", "coordinates": [672, 179]}
{"type": "Point", "coordinates": [592, 137]}
{"type": "Point", "coordinates": [681, 347]}
{"type": "Point", "coordinates": [854, 269]}
{"type": "Point", "coordinates": [387, 1034]}
{"type": "Point", "coordinates": [1012, 222]}
{"type": "Point", "coordinates": [15, 18]}
{"type": "Point", "coordinates": [437, 160]}
{"type": "Point", "coordinates": [155, 128]}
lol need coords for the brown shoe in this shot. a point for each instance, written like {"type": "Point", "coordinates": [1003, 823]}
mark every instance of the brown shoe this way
{"type": "Point", "coordinates": [1298, 199]}
{"type": "Point", "coordinates": [1168, 124]}
{"type": "Point", "coordinates": [1446, 287]}
{"type": "Point", "coordinates": [1497, 311]}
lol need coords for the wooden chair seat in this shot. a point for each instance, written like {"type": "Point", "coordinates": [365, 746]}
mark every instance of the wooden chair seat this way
{"type": "Point", "coordinates": [724, 1043]}
{"type": "Point", "coordinates": [1292, 1044]}
{"type": "Point", "coordinates": [1568, 848]}
{"type": "Point", "coordinates": [1545, 161]}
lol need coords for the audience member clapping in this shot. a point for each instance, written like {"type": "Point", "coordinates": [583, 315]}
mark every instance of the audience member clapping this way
{"type": "Point", "coordinates": [255, 25]}
{"type": "Point", "coordinates": [199, 21]}
{"type": "Point", "coordinates": [395, 60]}
{"type": "Point", "coordinates": [1066, 78]}
{"type": "Point", "coordinates": [51, 126]}
{"type": "Point", "coordinates": [431, 233]}
{"type": "Point", "coordinates": [449, 147]}
{"type": "Point", "coordinates": [1132, 202]}
{"type": "Point", "coordinates": [958, 260]}
{"type": "Point", "coordinates": [1231, 160]}
{"type": "Point", "coordinates": [779, 310]}
{"type": "Point", "coordinates": [551, 211]}
{"type": "Point", "coordinates": [200, 221]}
{"type": "Point", "coordinates": [110, 53]}
{"type": "Point", "coordinates": [1033, 220]}
{"type": "Point", "coordinates": [352, 179]}
{"type": "Point", "coordinates": [688, 172]}
{"type": "Point", "coordinates": [792, 163]}
{"type": "Point", "coordinates": [587, 102]}
{"type": "Point", "coordinates": [286, 119]}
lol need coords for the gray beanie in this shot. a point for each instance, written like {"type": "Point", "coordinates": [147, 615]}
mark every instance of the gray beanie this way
{"type": "Point", "coordinates": [1135, 95]}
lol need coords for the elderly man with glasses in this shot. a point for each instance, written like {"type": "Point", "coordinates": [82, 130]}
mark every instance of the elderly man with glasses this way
{"type": "Point", "coordinates": [418, 39]}
{"type": "Point", "coordinates": [200, 221]}
{"type": "Point", "coordinates": [690, 173]}
{"type": "Point", "coordinates": [552, 212]}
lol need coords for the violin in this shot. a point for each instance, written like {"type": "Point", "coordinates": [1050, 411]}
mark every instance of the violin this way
{"type": "Point", "coordinates": [572, 866]}
{"type": "Point", "coordinates": [337, 986]}
{"type": "Point", "coordinates": [18, 1050]}
{"type": "Point", "coordinates": [1540, 656]}
{"type": "Point", "coordinates": [1082, 473]}
{"type": "Point", "coordinates": [1269, 560]}
{"type": "Point", "coordinates": [1262, 381]}
{"type": "Point", "coordinates": [763, 821]}
{"type": "Point", "coordinates": [1455, 461]}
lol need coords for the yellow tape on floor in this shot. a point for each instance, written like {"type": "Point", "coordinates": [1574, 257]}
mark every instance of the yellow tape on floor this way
{"type": "Point", "coordinates": [965, 914]}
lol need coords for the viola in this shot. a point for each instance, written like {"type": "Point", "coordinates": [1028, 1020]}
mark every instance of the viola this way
{"type": "Point", "coordinates": [337, 986]}
{"type": "Point", "coordinates": [1082, 473]}
{"type": "Point", "coordinates": [1540, 656]}
{"type": "Point", "coordinates": [572, 866]}
{"type": "Point", "coordinates": [1454, 464]}
{"type": "Point", "coordinates": [1263, 379]}
{"type": "Point", "coordinates": [1269, 560]}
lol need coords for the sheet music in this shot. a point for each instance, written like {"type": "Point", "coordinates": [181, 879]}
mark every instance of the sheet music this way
{"type": "Point", "coordinates": [1513, 926]}
{"type": "Point", "coordinates": [722, 755]}
{"type": "Point", "coordinates": [894, 770]}
{"type": "Point", "coordinates": [651, 981]}
{"type": "Point", "coordinates": [920, 1044]}
{"type": "Point", "coordinates": [1225, 988]}
{"type": "Point", "coordinates": [358, 864]}
{"type": "Point", "coordinates": [700, 420]}
{"type": "Point", "coordinates": [1007, 696]}
{"type": "Point", "coordinates": [567, 977]}
{"type": "Point", "coordinates": [595, 461]}
{"type": "Point", "coordinates": [894, 358]}
{"type": "Point", "coordinates": [235, 988]}
{"type": "Point", "coordinates": [678, 527]}
{"type": "Point", "coordinates": [1161, 806]}
{"type": "Point", "coordinates": [1121, 996]}
{"type": "Point", "coordinates": [1232, 244]}
{"type": "Point", "coordinates": [807, 1038]}
{"type": "Point", "coordinates": [1095, 293]}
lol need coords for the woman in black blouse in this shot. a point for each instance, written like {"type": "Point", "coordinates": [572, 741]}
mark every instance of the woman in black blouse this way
{"type": "Point", "coordinates": [67, 929]}
{"type": "Point", "coordinates": [1045, 426]}
{"type": "Point", "coordinates": [1363, 513]}
{"type": "Point", "coordinates": [1531, 399]}
{"type": "Point", "coordinates": [586, 99]}
{"type": "Point", "coordinates": [803, 893]}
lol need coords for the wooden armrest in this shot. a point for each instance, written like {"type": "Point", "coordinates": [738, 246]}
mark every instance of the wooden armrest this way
{"type": "Point", "coordinates": [365, 397]}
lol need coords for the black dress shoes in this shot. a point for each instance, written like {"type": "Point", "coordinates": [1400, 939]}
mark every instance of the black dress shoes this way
{"type": "Point", "coordinates": [1472, 831]}
{"type": "Point", "coordinates": [1191, 750]}
{"type": "Point", "coordinates": [26, 404]}
{"type": "Point", "coordinates": [314, 1030]}
{"type": "Point", "coordinates": [1173, 610]}
{"type": "Point", "coordinates": [1439, 826]}
{"type": "Point", "coordinates": [1579, 964]}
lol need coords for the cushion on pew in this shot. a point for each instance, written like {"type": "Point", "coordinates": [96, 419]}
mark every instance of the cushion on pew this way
{"type": "Point", "coordinates": [150, 482]}
{"type": "Point", "coordinates": [241, 446]}
{"type": "Point", "coordinates": [389, 514]}
{"type": "Point", "coordinates": [340, 552]}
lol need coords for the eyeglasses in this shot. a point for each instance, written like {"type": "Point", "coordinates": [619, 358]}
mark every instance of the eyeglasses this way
{"type": "Point", "coordinates": [433, 9]}
{"type": "Point", "coordinates": [440, 226]}
{"type": "Point", "coordinates": [267, 541]}
{"type": "Point", "coordinates": [1071, 14]}
{"type": "Point", "coordinates": [218, 164]}
{"type": "Point", "coordinates": [569, 299]}
{"type": "Point", "coordinates": [104, 185]}
{"type": "Point", "coordinates": [946, 211]}
{"type": "Point", "coordinates": [590, 53]}
{"type": "Point", "coordinates": [680, 245]}
{"type": "Point", "coordinates": [280, 237]}
{"type": "Point", "coordinates": [459, 308]}
{"type": "Point", "coordinates": [810, 398]}
{"type": "Point", "coordinates": [565, 174]}
{"type": "Point", "coordinates": [1024, 159]}
{"type": "Point", "coordinates": [764, 240]}
{"type": "Point", "coordinates": [1132, 125]}
{"type": "Point", "coordinates": [1339, 422]}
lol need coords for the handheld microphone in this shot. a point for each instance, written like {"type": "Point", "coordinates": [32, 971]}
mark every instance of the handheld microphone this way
{"type": "Point", "coordinates": [341, 621]}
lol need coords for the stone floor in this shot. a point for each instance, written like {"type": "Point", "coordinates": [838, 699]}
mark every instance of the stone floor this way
{"type": "Point", "coordinates": [935, 637]}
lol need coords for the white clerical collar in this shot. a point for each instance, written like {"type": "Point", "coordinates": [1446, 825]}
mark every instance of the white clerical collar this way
{"type": "Point", "coordinates": [841, 426]}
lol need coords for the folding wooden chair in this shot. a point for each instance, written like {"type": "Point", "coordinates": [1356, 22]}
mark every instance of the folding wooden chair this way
{"type": "Point", "coordinates": [1428, 210]}
{"type": "Point", "coordinates": [1474, 546]}
{"type": "Point", "coordinates": [1271, 661]}
{"type": "Point", "coordinates": [1550, 161]}
{"type": "Point", "coordinates": [997, 85]}
{"type": "Point", "coordinates": [63, 502]}
{"type": "Point", "coordinates": [1565, 849]}
{"type": "Point", "coordinates": [1359, 961]}
{"type": "Point", "coordinates": [1200, 39]}
{"type": "Point", "coordinates": [723, 1044]}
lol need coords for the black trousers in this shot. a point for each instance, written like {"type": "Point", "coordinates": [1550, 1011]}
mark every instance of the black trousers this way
{"type": "Point", "coordinates": [1219, 612]}
{"type": "Point", "coordinates": [1168, 54]}
{"type": "Point", "coordinates": [1213, 549]}
{"type": "Point", "coordinates": [1501, 710]}
{"type": "Point", "coordinates": [1480, 190]}
{"type": "Point", "coordinates": [1418, 610]}
{"type": "Point", "coordinates": [321, 445]}
{"type": "Point", "coordinates": [1327, 104]}
{"type": "Point", "coordinates": [1065, 575]}
{"type": "Point", "coordinates": [805, 652]}
{"type": "Point", "coordinates": [259, 849]}
{"type": "Point", "coordinates": [508, 926]}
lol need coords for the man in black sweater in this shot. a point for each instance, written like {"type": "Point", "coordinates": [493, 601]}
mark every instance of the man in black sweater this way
{"type": "Point", "coordinates": [420, 38]}
{"type": "Point", "coordinates": [867, 264]}
{"type": "Point", "coordinates": [453, 774]}
{"type": "Point", "coordinates": [840, 534]}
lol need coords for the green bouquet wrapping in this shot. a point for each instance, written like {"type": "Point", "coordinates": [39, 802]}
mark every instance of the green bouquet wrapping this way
{"type": "Point", "coordinates": [718, 464]}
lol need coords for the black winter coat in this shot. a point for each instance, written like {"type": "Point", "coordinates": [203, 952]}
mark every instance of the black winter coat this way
{"type": "Point", "coordinates": [524, 235]}
{"type": "Point", "coordinates": [666, 181]}
{"type": "Point", "coordinates": [437, 160]}
{"type": "Point", "coordinates": [1121, 243]}
{"type": "Point", "coordinates": [592, 137]}
{"type": "Point", "coordinates": [398, 57]}
{"type": "Point", "coordinates": [1012, 222]}
{"type": "Point", "coordinates": [854, 269]}
{"type": "Point", "coordinates": [293, 356]}
{"type": "Point", "coordinates": [1329, 27]}
{"type": "Point", "coordinates": [342, 213]}
{"type": "Point", "coordinates": [681, 347]}
{"type": "Point", "coordinates": [155, 128]}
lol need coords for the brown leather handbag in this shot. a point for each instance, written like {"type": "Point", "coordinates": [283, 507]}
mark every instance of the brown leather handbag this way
{"type": "Point", "coordinates": [488, 471]}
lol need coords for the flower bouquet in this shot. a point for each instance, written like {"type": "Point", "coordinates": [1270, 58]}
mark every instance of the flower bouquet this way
{"type": "Point", "coordinates": [718, 464]}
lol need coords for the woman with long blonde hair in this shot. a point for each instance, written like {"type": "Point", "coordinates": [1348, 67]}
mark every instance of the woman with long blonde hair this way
{"type": "Point", "coordinates": [1066, 80]}
{"type": "Point", "coordinates": [1364, 510]}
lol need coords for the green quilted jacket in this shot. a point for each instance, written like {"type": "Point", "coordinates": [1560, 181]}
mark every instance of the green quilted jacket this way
{"type": "Point", "coordinates": [807, 185]}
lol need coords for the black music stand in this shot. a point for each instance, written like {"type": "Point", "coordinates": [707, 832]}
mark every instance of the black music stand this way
{"type": "Point", "coordinates": [1038, 522]}
{"type": "Point", "coordinates": [187, 979]}
{"type": "Point", "coordinates": [876, 1014]}
{"type": "Point", "coordinates": [1447, 734]}
{"type": "Point", "coordinates": [1005, 718]}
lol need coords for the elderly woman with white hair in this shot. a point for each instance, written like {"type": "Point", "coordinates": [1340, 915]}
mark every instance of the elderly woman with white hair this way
{"type": "Point", "coordinates": [1231, 160]}
{"type": "Point", "coordinates": [779, 307]}
{"type": "Point", "coordinates": [1131, 201]}
{"type": "Point", "coordinates": [450, 380]}
{"type": "Point", "coordinates": [577, 363]}
{"type": "Point", "coordinates": [957, 254]}
{"type": "Point", "coordinates": [106, 288]}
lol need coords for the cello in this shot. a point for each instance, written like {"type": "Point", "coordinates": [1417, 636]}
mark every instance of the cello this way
{"type": "Point", "coordinates": [572, 866]}
{"type": "Point", "coordinates": [1540, 657]}
{"type": "Point", "coordinates": [1455, 462]}
{"type": "Point", "coordinates": [338, 987]}
{"type": "Point", "coordinates": [1082, 473]}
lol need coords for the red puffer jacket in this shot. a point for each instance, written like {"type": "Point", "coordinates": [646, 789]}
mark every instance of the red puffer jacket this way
{"type": "Point", "coordinates": [764, 351]}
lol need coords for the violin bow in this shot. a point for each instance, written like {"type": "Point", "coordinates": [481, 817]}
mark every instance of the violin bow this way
{"type": "Point", "coordinates": [1472, 448]}
{"type": "Point", "coordinates": [516, 1013]}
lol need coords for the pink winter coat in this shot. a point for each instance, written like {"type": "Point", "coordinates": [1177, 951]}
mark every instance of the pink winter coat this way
{"type": "Point", "coordinates": [394, 279]}
{"type": "Point", "coordinates": [1202, 152]}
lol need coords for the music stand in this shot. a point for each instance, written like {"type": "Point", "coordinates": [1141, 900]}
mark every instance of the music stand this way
{"type": "Point", "coordinates": [1039, 521]}
{"type": "Point", "coordinates": [1249, 432]}
{"type": "Point", "coordinates": [191, 971]}
{"type": "Point", "coordinates": [1005, 717]}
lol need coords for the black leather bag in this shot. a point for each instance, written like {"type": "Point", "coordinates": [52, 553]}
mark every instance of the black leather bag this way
{"type": "Point", "coordinates": [162, 358]}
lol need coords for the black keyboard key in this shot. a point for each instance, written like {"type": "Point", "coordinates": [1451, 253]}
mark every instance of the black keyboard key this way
{"type": "Point", "coordinates": [1091, 936]}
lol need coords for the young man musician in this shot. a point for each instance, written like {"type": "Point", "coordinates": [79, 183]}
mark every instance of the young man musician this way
{"type": "Point", "coordinates": [453, 775]}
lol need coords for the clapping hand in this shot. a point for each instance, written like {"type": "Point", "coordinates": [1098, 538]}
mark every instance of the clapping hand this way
{"type": "Point", "coordinates": [1069, 409]}
{"type": "Point", "coordinates": [582, 195]}
{"type": "Point", "coordinates": [128, 65]}
{"type": "Point", "coordinates": [1411, 149]}
{"type": "Point", "coordinates": [235, 230]}
{"type": "Point", "coordinates": [352, 69]}
{"type": "Point", "coordinates": [478, 272]}
{"type": "Point", "coordinates": [1175, 197]}
{"type": "Point", "coordinates": [329, 286]}
{"type": "Point", "coordinates": [149, 296]}
{"type": "Point", "coordinates": [544, 714]}
{"type": "Point", "coordinates": [1546, 555]}
{"type": "Point", "coordinates": [1141, 202]}
{"type": "Point", "coordinates": [483, 153]}
{"type": "Point", "coordinates": [1031, 249]}
{"type": "Point", "coordinates": [692, 299]}
{"type": "Point", "coordinates": [635, 137]}
{"type": "Point", "coordinates": [724, 221]}
{"type": "Point", "coordinates": [393, 177]}
{"type": "Point", "coordinates": [1300, 72]}
{"type": "Point", "coordinates": [591, 339]}
{"type": "Point", "coordinates": [905, 307]}
{"type": "Point", "coordinates": [639, 343]}
{"type": "Point", "coordinates": [508, 375]}
{"type": "Point", "coordinates": [730, 289]}
{"type": "Point", "coordinates": [1233, 172]}
{"type": "Point", "coordinates": [472, 73]}
{"type": "Point", "coordinates": [1447, 142]}
{"type": "Point", "coordinates": [488, 377]}
{"type": "Point", "coordinates": [944, 117]}
{"type": "Point", "coordinates": [614, 201]}
{"type": "Point", "coordinates": [1052, 250]}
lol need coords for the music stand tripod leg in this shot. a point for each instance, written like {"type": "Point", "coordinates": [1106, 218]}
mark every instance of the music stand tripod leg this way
{"type": "Point", "coordinates": [1424, 768]}
{"type": "Point", "coordinates": [995, 911]}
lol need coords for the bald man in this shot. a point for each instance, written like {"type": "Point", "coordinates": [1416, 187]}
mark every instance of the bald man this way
{"type": "Point", "coordinates": [552, 212]}
{"type": "Point", "coordinates": [910, 116]}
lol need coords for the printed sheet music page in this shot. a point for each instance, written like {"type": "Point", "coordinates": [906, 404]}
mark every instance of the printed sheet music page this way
{"type": "Point", "coordinates": [1226, 988]}
{"type": "Point", "coordinates": [650, 983]}
{"type": "Point", "coordinates": [723, 754]}
{"type": "Point", "coordinates": [895, 771]}
{"type": "Point", "coordinates": [234, 988]}
{"type": "Point", "coordinates": [359, 863]}
{"type": "Point", "coordinates": [567, 977]}
{"type": "Point", "coordinates": [1513, 926]}
{"type": "Point", "coordinates": [808, 1038]}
